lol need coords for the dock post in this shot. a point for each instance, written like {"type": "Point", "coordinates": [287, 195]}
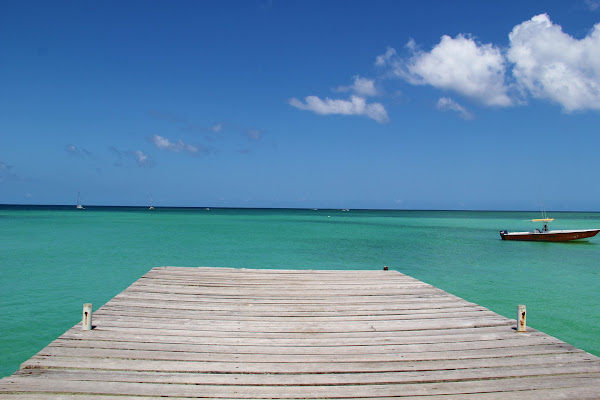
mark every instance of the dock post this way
{"type": "Point", "coordinates": [86, 323]}
{"type": "Point", "coordinates": [521, 318]}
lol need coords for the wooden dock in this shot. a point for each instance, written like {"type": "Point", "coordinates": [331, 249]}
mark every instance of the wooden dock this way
{"type": "Point", "coordinates": [225, 333]}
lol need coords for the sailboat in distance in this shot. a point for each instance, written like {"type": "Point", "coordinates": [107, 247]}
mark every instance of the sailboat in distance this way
{"type": "Point", "coordinates": [79, 206]}
{"type": "Point", "coordinates": [151, 206]}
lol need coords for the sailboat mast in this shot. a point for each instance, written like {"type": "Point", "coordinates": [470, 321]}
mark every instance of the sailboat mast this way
{"type": "Point", "coordinates": [79, 206]}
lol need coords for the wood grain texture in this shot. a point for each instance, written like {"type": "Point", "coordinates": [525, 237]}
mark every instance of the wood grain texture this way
{"type": "Point", "coordinates": [225, 333]}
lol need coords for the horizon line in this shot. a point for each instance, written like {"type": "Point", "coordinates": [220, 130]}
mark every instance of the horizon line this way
{"type": "Point", "coordinates": [286, 208]}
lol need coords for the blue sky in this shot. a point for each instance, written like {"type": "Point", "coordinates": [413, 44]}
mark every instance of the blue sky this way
{"type": "Point", "coordinates": [309, 104]}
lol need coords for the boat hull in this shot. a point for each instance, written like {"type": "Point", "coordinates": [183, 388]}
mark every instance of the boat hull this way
{"type": "Point", "coordinates": [550, 236]}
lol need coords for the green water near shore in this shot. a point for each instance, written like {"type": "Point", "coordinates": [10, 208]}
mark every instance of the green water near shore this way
{"type": "Point", "coordinates": [54, 259]}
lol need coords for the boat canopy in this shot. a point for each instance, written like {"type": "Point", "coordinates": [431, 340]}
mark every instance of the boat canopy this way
{"type": "Point", "coordinates": [542, 220]}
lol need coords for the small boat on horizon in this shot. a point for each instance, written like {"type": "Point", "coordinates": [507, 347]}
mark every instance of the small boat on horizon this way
{"type": "Point", "coordinates": [151, 206]}
{"type": "Point", "coordinates": [547, 235]}
{"type": "Point", "coordinates": [79, 206]}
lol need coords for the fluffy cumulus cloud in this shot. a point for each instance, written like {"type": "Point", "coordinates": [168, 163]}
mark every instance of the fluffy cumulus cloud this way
{"type": "Point", "coordinates": [178, 146]}
{"type": "Point", "coordinates": [552, 65]}
{"type": "Point", "coordinates": [462, 65]}
{"type": "Point", "coordinates": [355, 106]}
{"type": "Point", "coordinates": [540, 61]}
{"type": "Point", "coordinates": [447, 104]}
{"type": "Point", "coordinates": [362, 87]}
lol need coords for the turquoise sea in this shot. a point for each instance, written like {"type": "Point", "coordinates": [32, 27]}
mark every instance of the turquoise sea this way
{"type": "Point", "coordinates": [53, 259]}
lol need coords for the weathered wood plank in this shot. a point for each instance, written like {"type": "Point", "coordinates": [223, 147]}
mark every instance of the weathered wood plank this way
{"type": "Point", "coordinates": [367, 301]}
{"type": "Point", "coordinates": [192, 328]}
{"type": "Point", "coordinates": [464, 374]}
{"type": "Point", "coordinates": [298, 339]}
{"type": "Point", "coordinates": [307, 392]}
{"type": "Point", "coordinates": [580, 393]}
{"type": "Point", "coordinates": [77, 338]}
{"type": "Point", "coordinates": [298, 326]}
{"type": "Point", "coordinates": [183, 313]}
{"type": "Point", "coordinates": [349, 303]}
{"type": "Point", "coordinates": [185, 310]}
{"type": "Point", "coordinates": [305, 353]}
{"type": "Point", "coordinates": [265, 293]}
{"type": "Point", "coordinates": [336, 278]}
{"type": "Point", "coordinates": [252, 334]}
{"type": "Point", "coordinates": [308, 285]}
{"type": "Point", "coordinates": [278, 364]}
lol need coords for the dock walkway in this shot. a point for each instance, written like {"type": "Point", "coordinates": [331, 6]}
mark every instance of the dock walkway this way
{"type": "Point", "coordinates": [224, 333]}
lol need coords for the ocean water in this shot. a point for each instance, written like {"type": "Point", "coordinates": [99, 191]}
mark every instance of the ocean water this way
{"type": "Point", "coordinates": [54, 259]}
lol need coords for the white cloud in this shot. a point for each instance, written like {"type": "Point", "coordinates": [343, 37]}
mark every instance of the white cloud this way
{"type": "Point", "coordinates": [217, 128]}
{"type": "Point", "coordinates": [541, 61]}
{"type": "Point", "coordinates": [355, 106]}
{"type": "Point", "coordinates": [384, 59]}
{"type": "Point", "coordinates": [553, 65]}
{"type": "Point", "coordinates": [447, 104]}
{"type": "Point", "coordinates": [165, 144]}
{"type": "Point", "coordinates": [461, 65]}
{"type": "Point", "coordinates": [143, 159]}
{"type": "Point", "coordinates": [362, 86]}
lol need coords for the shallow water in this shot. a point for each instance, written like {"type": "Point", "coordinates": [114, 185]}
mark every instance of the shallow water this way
{"type": "Point", "coordinates": [54, 259]}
